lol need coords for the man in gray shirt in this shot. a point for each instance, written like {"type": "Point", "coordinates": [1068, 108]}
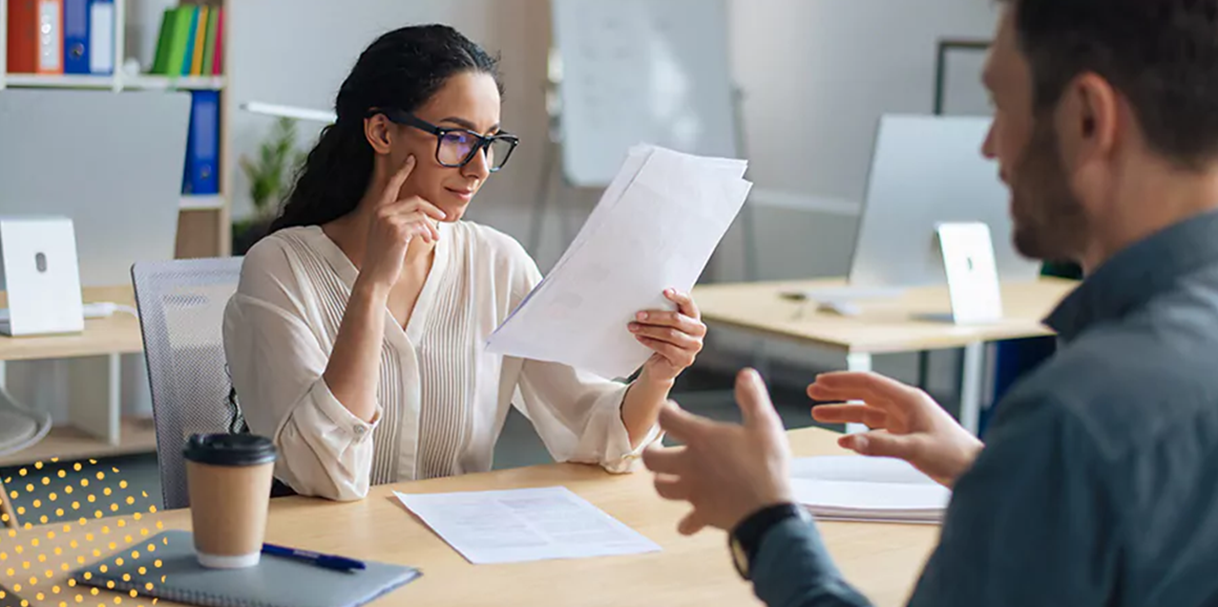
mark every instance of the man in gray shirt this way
{"type": "Point", "coordinates": [1098, 482]}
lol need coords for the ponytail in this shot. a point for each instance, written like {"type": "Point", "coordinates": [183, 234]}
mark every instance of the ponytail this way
{"type": "Point", "coordinates": [332, 179]}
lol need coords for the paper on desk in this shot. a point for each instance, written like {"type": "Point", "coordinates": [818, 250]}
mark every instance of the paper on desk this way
{"type": "Point", "coordinates": [867, 489]}
{"type": "Point", "coordinates": [524, 525]}
{"type": "Point", "coordinates": [655, 227]}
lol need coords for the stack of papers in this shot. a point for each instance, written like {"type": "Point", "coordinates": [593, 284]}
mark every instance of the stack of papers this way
{"type": "Point", "coordinates": [524, 525]}
{"type": "Point", "coordinates": [857, 488]}
{"type": "Point", "coordinates": [654, 228]}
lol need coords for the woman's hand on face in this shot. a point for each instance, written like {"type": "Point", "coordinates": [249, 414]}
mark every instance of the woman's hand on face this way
{"type": "Point", "coordinates": [676, 337]}
{"type": "Point", "coordinates": [396, 223]}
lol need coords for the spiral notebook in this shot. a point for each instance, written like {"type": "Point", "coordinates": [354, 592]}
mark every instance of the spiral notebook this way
{"type": "Point", "coordinates": [274, 582]}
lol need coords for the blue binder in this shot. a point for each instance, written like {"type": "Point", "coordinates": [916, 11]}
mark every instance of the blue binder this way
{"type": "Point", "coordinates": [76, 36]}
{"type": "Point", "coordinates": [203, 145]}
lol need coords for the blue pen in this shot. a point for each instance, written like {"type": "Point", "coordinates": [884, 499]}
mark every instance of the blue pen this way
{"type": "Point", "coordinates": [327, 561]}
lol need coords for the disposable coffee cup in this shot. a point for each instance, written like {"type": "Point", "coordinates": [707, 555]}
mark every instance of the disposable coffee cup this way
{"type": "Point", "coordinates": [229, 479]}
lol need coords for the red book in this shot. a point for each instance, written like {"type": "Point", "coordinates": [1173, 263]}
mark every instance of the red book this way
{"type": "Point", "coordinates": [217, 68]}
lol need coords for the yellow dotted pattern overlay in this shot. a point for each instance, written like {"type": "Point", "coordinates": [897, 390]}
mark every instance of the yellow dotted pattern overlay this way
{"type": "Point", "coordinates": [36, 562]}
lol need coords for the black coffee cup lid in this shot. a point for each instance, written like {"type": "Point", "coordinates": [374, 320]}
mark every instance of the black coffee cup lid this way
{"type": "Point", "coordinates": [230, 449]}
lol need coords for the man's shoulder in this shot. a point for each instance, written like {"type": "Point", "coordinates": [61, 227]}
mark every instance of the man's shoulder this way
{"type": "Point", "coordinates": [1132, 384]}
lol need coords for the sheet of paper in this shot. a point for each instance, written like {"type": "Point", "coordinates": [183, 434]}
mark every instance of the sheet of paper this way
{"type": "Point", "coordinates": [524, 525]}
{"type": "Point", "coordinates": [867, 488]}
{"type": "Point", "coordinates": [656, 227]}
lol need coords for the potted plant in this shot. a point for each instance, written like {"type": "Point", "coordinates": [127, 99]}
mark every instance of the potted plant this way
{"type": "Point", "coordinates": [269, 178]}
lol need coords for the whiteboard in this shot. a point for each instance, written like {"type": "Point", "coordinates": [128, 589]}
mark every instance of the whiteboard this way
{"type": "Point", "coordinates": [641, 71]}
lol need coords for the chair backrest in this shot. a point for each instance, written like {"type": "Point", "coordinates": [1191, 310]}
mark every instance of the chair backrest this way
{"type": "Point", "coordinates": [181, 305]}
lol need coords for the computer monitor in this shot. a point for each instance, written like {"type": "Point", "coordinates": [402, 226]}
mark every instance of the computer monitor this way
{"type": "Point", "coordinates": [926, 170]}
{"type": "Point", "coordinates": [112, 162]}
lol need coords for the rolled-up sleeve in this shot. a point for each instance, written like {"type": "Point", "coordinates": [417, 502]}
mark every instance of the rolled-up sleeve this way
{"type": "Point", "coordinates": [277, 366]}
{"type": "Point", "coordinates": [578, 416]}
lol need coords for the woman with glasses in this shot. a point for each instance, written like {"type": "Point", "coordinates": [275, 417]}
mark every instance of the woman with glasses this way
{"type": "Point", "coordinates": [355, 338]}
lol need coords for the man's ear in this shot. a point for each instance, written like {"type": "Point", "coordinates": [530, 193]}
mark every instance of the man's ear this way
{"type": "Point", "coordinates": [379, 134]}
{"type": "Point", "coordinates": [1089, 123]}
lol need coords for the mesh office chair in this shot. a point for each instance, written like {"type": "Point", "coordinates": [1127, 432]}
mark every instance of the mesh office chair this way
{"type": "Point", "coordinates": [181, 305]}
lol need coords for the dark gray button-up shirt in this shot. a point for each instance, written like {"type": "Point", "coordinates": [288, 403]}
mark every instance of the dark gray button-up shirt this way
{"type": "Point", "coordinates": [1098, 484]}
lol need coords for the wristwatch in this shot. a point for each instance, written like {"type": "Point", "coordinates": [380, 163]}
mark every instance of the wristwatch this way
{"type": "Point", "coordinates": [746, 538]}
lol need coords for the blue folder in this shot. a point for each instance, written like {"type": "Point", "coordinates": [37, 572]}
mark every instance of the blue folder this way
{"type": "Point", "coordinates": [76, 36]}
{"type": "Point", "coordinates": [203, 145]}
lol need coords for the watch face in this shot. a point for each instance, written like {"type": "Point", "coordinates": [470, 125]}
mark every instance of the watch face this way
{"type": "Point", "coordinates": [739, 558]}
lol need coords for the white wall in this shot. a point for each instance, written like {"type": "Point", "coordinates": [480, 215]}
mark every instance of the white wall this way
{"type": "Point", "coordinates": [816, 75]}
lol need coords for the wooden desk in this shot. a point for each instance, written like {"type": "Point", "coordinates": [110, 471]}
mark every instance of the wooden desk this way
{"type": "Point", "coordinates": [885, 325]}
{"type": "Point", "coordinates": [95, 408]}
{"type": "Point", "coordinates": [882, 559]}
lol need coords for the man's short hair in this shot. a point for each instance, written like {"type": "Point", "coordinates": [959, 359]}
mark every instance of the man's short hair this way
{"type": "Point", "coordinates": [1161, 55]}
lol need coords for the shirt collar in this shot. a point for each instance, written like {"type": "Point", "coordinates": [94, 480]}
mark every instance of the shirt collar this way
{"type": "Point", "coordinates": [1137, 274]}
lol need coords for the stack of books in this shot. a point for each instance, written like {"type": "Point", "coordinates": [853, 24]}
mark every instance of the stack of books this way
{"type": "Point", "coordinates": [856, 488]}
{"type": "Point", "coordinates": [190, 42]}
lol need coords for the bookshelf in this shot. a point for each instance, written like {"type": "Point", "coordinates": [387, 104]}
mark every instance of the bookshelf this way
{"type": "Point", "coordinates": [204, 222]}
{"type": "Point", "coordinates": [204, 228]}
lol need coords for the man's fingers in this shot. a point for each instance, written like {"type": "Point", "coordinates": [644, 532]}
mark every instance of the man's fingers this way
{"type": "Point", "coordinates": [680, 425]}
{"type": "Point", "coordinates": [877, 390]}
{"type": "Point", "coordinates": [691, 524]}
{"type": "Point", "coordinates": [671, 488]}
{"type": "Point", "coordinates": [882, 444]}
{"type": "Point", "coordinates": [754, 400]}
{"type": "Point", "coordinates": [850, 414]}
{"type": "Point", "coordinates": [867, 382]}
{"type": "Point", "coordinates": [664, 460]}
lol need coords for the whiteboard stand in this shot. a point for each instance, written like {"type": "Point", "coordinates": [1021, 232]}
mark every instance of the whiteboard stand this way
{"type": "Point", "coordinates": [748, 219]}
{"type": "Point", "coordinates": [748, 223]}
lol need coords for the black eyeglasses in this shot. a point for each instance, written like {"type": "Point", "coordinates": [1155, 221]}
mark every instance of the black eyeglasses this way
{"type": "Point", "coordinates": [456, 147]}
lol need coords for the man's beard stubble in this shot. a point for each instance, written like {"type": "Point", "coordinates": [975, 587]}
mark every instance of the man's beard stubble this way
{"type": "Point", "coordinates": [1048, 219]}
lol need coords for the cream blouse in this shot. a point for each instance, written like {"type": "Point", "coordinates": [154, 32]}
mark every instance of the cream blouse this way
{"type": "Point", "coordinates": [442, 399]}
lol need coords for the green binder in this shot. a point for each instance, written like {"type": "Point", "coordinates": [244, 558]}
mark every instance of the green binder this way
{"type": "Point", "coordinates": [163, 41]}
{"type": "Point", "coordinates": [179, 41]}
{"type": "Point", "coordinates": [209, 50]}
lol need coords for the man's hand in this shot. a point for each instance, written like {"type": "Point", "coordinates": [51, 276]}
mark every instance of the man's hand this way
{"type": "Point", "coordinates": [906, 423]}
{"type": "Point", "coordinates": [725, 471]}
